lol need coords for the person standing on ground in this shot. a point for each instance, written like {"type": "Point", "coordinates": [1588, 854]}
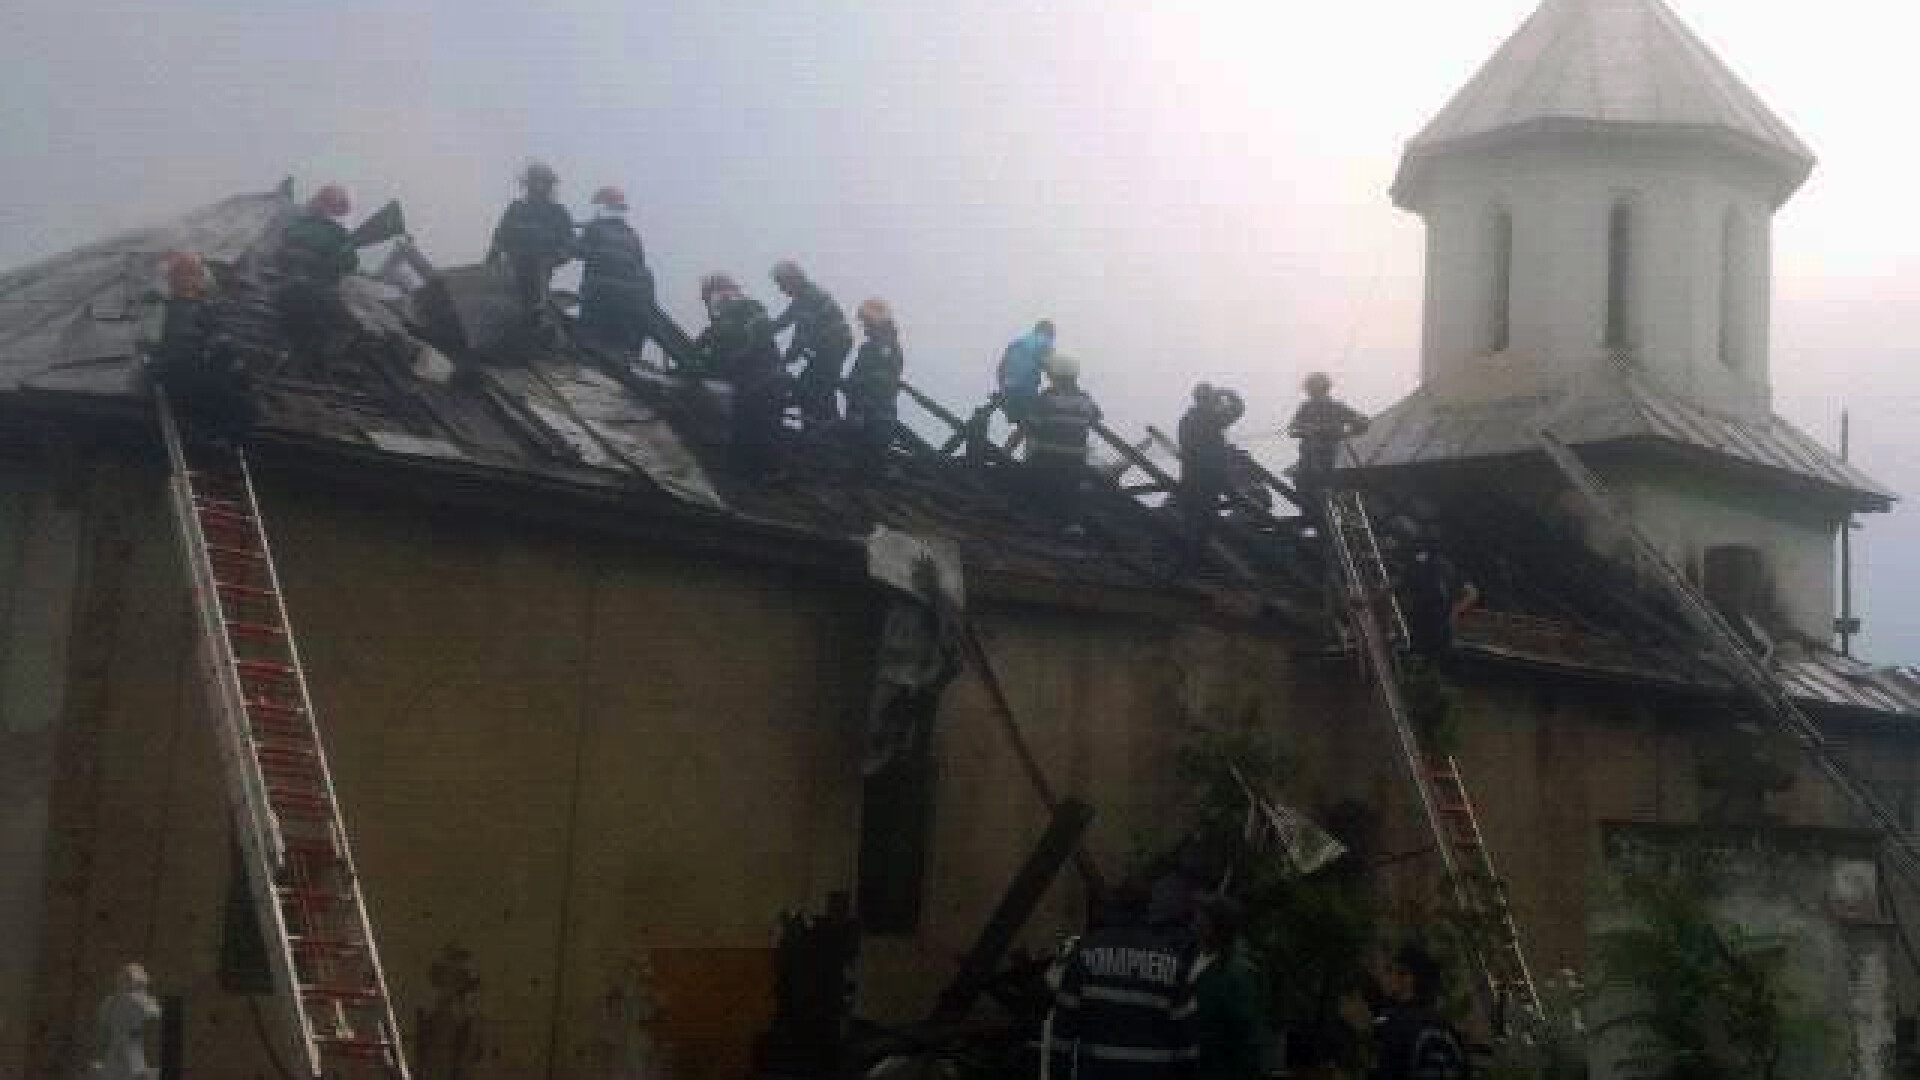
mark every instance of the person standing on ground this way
{"type": "Point", "coordinates": [738, 346]}
{"type": "Point", "coordinates": [820, 343]}
{"type": "Point", "coordinates": [534, 238]}
{"type": "Point", "coordinates": [1322, 424]}
{"type": "Point", "coordinates": [1124, 1008]}
{"type": "Point", "coordinates": [1232, 1016]}
{"type": "Point", "coordinates": [1412, 1041]}
{"type": "Point", "coordinates": [873, 386]}
{"type": "Point", "coordinates": [616, 288]}
{"type": "Point", "coordinates": [194, 361]}
{"type": "Point", "coordinates": [316, 251]}
{"type": "Point", "coordinates": [1057, 428]}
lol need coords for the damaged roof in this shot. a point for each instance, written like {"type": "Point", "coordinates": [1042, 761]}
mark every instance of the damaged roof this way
{"type": "Point", "coordinates": [404, 392]}
{"type": "Point", "coordinates": [651, 446]}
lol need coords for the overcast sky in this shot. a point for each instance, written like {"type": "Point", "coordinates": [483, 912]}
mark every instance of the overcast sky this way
{"type": "Point", "coordinates": [1192, 190]}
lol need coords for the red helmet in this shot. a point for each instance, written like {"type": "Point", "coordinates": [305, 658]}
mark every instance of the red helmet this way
{"type": "Point", "coordinates": [610, 197]}
{"type": "Point", "coordinates": [186, 275]}
{"type": "Point", "coordinates": [331, 200]}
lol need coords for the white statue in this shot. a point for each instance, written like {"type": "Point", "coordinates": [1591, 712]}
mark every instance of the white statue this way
{"type": "Point", "coordinates": [120, 1029]}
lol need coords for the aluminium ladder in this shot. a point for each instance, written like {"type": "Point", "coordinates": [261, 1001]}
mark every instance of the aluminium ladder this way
{"type": "Point", "coordinates": [1374, 617]}
{"type": "Point", "coordinates": [1749, 672]}
{"type": "Point", "coordinates": [299, 867]}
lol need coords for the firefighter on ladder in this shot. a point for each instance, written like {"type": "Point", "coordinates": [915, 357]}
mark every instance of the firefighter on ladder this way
{"type": "Point", "coordinates": [195, 361]}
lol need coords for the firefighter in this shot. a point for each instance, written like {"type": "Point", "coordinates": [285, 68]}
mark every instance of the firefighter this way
{"type": "Point", "coordinates": [1412, 1041]}
{"type": "Point", "coordinates": [1124, 1008]}
{"type": "Point", "coordinates": [534, 237]}
{"type": "Point", "coordinates": [316, 251]}
{"type": "Point", "coordinates": [1057, 428]}
{"type": "Point", "coordinates": [1322, 424]}
{"type": "Point", "coordinates": [738, 346]}
{"type": "Point", "coordinates": [820, 343]}
{"type": "Point", "coordinates": [1206, 460]}
{"type": "Point", "coordinates": [195, 362]}
{"type": "Point", "coordinates": [873, 386]}
{"type": "Point", "coordinates": [616, 288]}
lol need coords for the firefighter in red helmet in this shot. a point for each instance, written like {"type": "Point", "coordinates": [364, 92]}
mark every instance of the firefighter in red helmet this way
{"type": "Point", "coordinates": [616, 288]}
{"type": "Point", "coordinates": [315, 253]}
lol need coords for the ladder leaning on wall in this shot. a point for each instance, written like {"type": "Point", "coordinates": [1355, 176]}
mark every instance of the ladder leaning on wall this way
{"type": "Point", "coordinates": [299, 867]}
{"type": "Point", "coordinates": [1748, 672]}
{"type": "Point", "coordinates": [1505, 984]}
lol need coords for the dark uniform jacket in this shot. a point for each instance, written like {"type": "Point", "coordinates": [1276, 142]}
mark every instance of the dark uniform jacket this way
{"type": "Point", "coordinates": [1205, 460]}
{"type": "Point", "coordinates": [1232, 1023]}
{"type": "Point", "coordinates": [819, 326]}
{"type": "Point", "coordinates": [529, 229]}
{"type": "Point", "coordinates": [738, 344]}
{"type": "Point", "coordinates": [316, 249]}
{"type": "Point", "coordinates": [1126, 998]}
{"type": "Point", "coordinates": [873, 386]}
{"type": "Point", "coordinates": [613, 257]}
{"type": "Point", "coordinates": [1412, 1042]}
{"type": "Point", "coordinates": [1058, 426]}
{"type": "Point", "coordinates": [1321, 424]}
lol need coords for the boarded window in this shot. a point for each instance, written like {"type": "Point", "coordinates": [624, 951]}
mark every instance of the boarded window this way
{"type": "Point", "coordinates": [1500, 283]}
{"type": "Point", "coordinates": [1735, 580]}
{"type": "Point", "coordinates": [896, 825]}
{"type": "Point", "coordinates": [1619, 275]}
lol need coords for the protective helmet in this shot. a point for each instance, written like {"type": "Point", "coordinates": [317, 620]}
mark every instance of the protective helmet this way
{"type": "Point", "coordinates": [716, 285]}
{"type": "Point", "coordinates": [331, 200]}
{"type": "Point", "coordinates": [1318, 383]}
{"type": "Point", "coordinates": [1062, 368]}
{"type": "Point", "coordinates": [610, 197]}
{"type": "Point", "coordinates": [874, 312]}
{"type": "Point", "coordinates": [1203, 393]}
{"type": "Point", "coordinates": [788, 270]}
{"type": "Point", "coordinates": [538, 174]}
{"type": "Point", "coordinates": [186, 275]}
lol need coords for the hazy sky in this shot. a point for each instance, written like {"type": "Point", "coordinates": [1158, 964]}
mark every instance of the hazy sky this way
{"type": "Point", "coordinates": [1192, 190]}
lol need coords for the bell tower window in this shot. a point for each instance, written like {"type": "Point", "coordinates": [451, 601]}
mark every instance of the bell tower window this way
{"type": "Point", "coordinates": [1620, 239]}
{"type": "Point", "coordinates": [1736, 271]}
{"type": "Point", "coordinates": [1500, 282]}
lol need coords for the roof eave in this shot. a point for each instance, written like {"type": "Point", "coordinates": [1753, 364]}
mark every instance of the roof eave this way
{"type": "Point", "coordinates": [1786, 169]}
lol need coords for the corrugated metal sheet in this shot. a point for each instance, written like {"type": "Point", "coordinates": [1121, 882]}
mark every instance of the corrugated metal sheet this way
{"type": "Point", "coordinates": [1608, 404]}
{"type": "Point", "coordinates": [1596, 64]}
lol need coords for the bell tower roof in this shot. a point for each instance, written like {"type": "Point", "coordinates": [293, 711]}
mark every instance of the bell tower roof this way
{"type": "Point", "coordinates": [1604, 66]}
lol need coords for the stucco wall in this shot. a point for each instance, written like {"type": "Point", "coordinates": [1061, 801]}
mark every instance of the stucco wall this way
{"type": "Point", "coordinates": [592, 765]}
{"type": "Point", "coordinates": [1684, 517]}
{"type": "Point", "coordinates": [1560, 197]}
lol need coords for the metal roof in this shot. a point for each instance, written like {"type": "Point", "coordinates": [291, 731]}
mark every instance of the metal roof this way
{"type": "Point", "coordinates": [1598, 65]}
{"type": "Point", "coordinates": [1612, 403]}
{"type": "Point", "coordinates": [69, 333]}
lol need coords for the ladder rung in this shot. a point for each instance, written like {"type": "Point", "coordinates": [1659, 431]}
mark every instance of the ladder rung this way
{"type": "Point", "coordinates": [245, 592]}
{"type": "Point", "coordinates": [255, 631]}
{"type": "Point", "coordinates": [270, 670]}
{"type": "Point", "coordinates": [213, 514]}
{"type": "Point", "coordinates": [337, 992]}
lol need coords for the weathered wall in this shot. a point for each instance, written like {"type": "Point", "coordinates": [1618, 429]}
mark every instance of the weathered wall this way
{"type": "Point", "coordinates": [38, 562]}
{"type": "Point", "coordinates": [571, 760]}
{"type": "Point", "coordinates": [1560, 198]}
{"type": "Point", "coordinates": [585, 772]}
